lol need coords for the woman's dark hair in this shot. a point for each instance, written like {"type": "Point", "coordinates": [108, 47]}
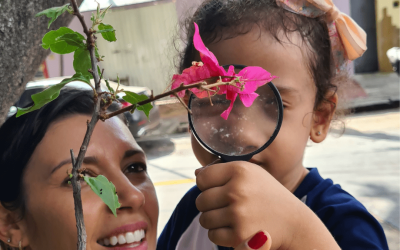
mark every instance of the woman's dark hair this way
{"type": "Point", "coordinates": [225, 19]}
{"type": "Point", "coordinates": [20, 136]}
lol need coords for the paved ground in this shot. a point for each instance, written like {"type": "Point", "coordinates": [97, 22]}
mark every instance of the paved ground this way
{"type": "Point", "coordinates": [365, 160]}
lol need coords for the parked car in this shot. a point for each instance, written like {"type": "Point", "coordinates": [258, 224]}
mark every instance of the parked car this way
{"type": "Point", "coordinates": [139, 125]}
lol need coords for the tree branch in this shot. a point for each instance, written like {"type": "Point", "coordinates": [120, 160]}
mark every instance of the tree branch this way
{"type": "Point", "coordinates": [152, 99]}
{"type": "Point", "coordinates": [90, 125]}
{"type": "Point", "coordinates": [199, 85]}
{"type": "Point", "coordinates": [76, 185]}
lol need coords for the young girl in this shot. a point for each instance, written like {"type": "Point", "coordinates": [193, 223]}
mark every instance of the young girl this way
{"type": "Point", "coordinates": [307, 46]}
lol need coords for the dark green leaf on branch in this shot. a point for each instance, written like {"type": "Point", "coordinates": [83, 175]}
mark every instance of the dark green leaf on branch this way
{"type": "Point", "coordinates": [50, 94]}
{"type": "Point", "coordinates": [82, 62]}
{"type": "Point", "coordinates": [134, 98]}
{"type": "Point", "coordinates": [51, 40]}
{"type": "Point", "coordinates": [109, 33]}
{"type": "Point", "coordinates": [54, 13]}
{"type": "Point", "coordinates": [105, 190]}
{"type": "Point", "coordinates": [74, 39]}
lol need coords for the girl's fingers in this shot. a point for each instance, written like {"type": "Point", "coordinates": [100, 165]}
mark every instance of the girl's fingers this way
{"type": "Point", "coordinates": [261, 241]}
{"type": "Point", "coordinates": [213, 198]}
{"type": "Point", "coordinates": [218, 218]}
{"type": "Point", "coordinates": [215, 175]}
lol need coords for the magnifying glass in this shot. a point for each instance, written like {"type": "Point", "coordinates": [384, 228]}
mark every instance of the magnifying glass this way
{"type": "Point", "coordinates": [246, 132]}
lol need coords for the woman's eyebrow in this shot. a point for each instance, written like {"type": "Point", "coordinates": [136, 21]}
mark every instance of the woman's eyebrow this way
{"type": "Point", "coordinates": [132, 152]}
{"type": "Point", "coordinates": [86, 160]}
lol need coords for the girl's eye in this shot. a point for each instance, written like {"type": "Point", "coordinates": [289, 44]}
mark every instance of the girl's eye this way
{"type": "Point", "coordinates": [137, 167]}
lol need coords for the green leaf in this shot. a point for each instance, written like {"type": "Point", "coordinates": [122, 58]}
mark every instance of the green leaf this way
{"type": "Point", "coordinates": [103, 12]}
{"type": "Point", "coordinates": [74, 39]}
{"type": "Point", "coordinates": [134, 98]}
{"type": "Point", "coordinates": [109, 87]}
{"type": "Point", "coordinates": [50, 94]}
{"type": "Point", "coordinates": [51, 40]}
{"type": "Point", "coordinates": [82, 62]}
{"type": "Point", "coordinates": [108, 35]}
{"type": "Point", "coordinates": [106, 30]}
{"type": "Point", "coordinates": [105, 190]}
{"type": "Point", "coordinates": [53, 13]}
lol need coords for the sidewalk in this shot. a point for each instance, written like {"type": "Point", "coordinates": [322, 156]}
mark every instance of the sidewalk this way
{"type": "Point", "coordinates": [378, 91]}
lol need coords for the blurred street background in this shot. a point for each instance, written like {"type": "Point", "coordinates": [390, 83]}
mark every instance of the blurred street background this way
{"type": "Point", "coordinates": [364, 158]}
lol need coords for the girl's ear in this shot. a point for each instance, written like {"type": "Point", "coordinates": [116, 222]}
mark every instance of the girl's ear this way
{"type": "Point", "coordinates": [322, 118]}
{"type": "Point", "coordinates": [11, 231]}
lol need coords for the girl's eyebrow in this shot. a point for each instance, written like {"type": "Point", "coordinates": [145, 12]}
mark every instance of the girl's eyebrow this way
{"type": "Point", "coordinates": [287, 90]}
{"type": "Point", "coordinates": [86, 160]}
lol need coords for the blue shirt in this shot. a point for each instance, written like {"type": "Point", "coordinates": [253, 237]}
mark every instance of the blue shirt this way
{"type": "Point", "coordinates": [349, 222]}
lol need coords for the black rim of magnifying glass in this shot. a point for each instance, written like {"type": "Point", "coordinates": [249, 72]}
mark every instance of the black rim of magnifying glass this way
{"type": "Point", "coordinates": [245, 157]}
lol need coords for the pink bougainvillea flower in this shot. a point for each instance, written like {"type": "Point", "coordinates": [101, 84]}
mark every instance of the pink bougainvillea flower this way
{"type": "Point", "coordinates": [252, 77]}
{"type": "Point", "coordinates": [199, 71]}
{"type": "Point", "coordinates": [247, 80]}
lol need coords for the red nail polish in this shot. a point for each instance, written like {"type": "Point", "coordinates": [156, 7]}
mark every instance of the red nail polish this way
{"type": "Point", "coordinates": [257, 241]}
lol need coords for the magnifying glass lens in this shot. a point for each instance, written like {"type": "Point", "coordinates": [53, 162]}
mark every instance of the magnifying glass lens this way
{"type": "Point", "coordinates": [247, 129]}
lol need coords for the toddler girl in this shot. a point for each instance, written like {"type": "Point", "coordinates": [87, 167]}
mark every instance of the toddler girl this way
{"type": "Point", "coordinates": [307, 44]}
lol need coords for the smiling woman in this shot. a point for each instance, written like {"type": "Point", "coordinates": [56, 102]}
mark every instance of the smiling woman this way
{"type": "Point", "coordinates": [37, 207]}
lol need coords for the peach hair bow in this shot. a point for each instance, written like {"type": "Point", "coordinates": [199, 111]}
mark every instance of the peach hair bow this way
{"type": "Point", "coordinates": [348, 39]}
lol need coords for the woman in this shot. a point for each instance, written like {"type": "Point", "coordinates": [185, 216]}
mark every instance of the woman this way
{"type": "Point", "coordinates": [37, 207]}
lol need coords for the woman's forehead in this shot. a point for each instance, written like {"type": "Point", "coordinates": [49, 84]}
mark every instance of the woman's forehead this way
{"type": "Point", "coordinates": [111, 136]}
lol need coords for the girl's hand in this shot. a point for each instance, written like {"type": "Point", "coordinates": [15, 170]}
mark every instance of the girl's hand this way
{"type": "Point", "coordinates": [261, 241]}
{"type": "Point", "coordinates": [239, 198]}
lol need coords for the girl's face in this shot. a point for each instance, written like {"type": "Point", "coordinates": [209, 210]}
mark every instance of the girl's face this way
{"type": "Point", "coordinates": [49, 222]}
{"type": "Point", "coordinates": [283, 158]}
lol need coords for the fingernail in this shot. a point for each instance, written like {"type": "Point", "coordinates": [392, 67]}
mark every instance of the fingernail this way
{"type": "Point", "coordinates": [257, 241]}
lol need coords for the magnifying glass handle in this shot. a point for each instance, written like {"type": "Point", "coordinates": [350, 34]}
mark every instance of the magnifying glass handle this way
{"type": "Point", "coordinates": [227, 158]}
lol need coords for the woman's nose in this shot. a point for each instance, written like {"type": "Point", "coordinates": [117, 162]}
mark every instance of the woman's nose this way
{"type": "Point", "coordinates": [129, 196]}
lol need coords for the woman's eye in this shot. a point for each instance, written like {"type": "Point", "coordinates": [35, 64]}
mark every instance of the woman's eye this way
{"type": "Point", "coordinates": [136, 168]}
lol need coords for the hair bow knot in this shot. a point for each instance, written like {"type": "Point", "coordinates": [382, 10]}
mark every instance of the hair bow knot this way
{"type": "Point", "coordinates": [352, 42]}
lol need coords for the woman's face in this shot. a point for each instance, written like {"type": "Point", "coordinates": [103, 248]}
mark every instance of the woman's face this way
{"type": "Point", "coordinates": [49, 222]}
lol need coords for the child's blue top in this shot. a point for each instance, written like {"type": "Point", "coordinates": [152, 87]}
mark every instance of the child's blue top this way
{"type": "Point", "coordinates": [349, 222]}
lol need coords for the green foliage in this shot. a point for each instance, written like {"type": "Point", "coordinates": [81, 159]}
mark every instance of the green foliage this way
{"type": "Point", "coordinates": [109, 87]}
{"type": "Point", "coordinates": [56, 40]}
{"type": "Point", "coordinates": [134, 98]}
{"type": "Point", "coordinates": [108, 32]}
{"type": "Point", "coordinates": [105, 190]}
{"type": "Point", "coordinates": [82, 62]}
{"type": "Point", "coordinates": [73, 39]}
{"type": "Point", "coordinates": [54, 13]}
{"type": "Point", "coordinates": [50, 94]}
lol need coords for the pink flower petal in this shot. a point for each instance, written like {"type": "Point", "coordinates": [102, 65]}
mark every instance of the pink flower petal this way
{"type": "Point", "coordinates": [248, 99]}
{"type": "Point", "coordinates": [254, 78]}
{"type": "Point", "coordinates": [207, 57]}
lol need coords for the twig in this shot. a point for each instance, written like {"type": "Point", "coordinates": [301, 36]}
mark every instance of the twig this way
{"type": "Point", "coordinates": [76, 185]}
{"type": "Point", "coordinates": [183, 103]}
{"type": "Point", "coordinates": [90, 125]}
{"type": "Point", "coordinates": [151, 99]}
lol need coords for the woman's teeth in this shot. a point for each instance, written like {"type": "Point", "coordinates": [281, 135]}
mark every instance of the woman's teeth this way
{"type": "Point", "coordinates": [126, 238]}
